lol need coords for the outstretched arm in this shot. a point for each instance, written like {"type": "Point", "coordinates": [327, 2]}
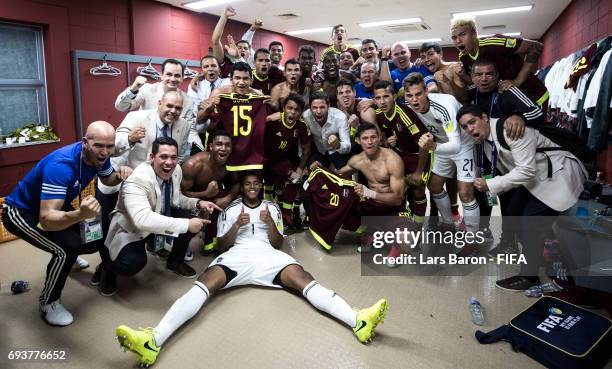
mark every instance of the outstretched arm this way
{"type": "Point", "coordinates": [218, 32]}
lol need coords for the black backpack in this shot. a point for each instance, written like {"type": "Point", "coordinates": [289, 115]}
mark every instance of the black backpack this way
{"type": "Point", "coordinates": [557, 334]}
{"type": "Point", "coordinates": [567, 141]}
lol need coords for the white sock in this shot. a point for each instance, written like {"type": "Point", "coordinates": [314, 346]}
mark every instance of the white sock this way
{"type": "Point", "coordinates": [471, 215]}
{"type": "Point", "coordinates": [181, 311]}
{"type": "Point", "coordinates": [327, 301]}
{"type": "Point", "coordinates": [444, 206]}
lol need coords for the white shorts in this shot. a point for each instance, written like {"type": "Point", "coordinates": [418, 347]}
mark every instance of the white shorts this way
{"type": "Point", "coordinates": [258, 266]}
{"type": "Point", "coordinates": [462, 163]}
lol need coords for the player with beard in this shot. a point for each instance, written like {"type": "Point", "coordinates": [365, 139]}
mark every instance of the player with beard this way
{"type": "Point", "coordinates": [283, 168]}
{"type": "Point", "coordinates": [204, 177]}
{"type": "Point", "coordinates": [446, 74]}
{"type": "Point", "coordinates": [279, 92]}
{"type": "Point", "coordinates": [265, 75]}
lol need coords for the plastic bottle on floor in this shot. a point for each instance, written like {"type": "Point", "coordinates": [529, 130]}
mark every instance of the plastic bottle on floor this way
{"type": "Point", "coordinates": [18, 287]}
{"type": "Point", "coordinates": [476, 311]}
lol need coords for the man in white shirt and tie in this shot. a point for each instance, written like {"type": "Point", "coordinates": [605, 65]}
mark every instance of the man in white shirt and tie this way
{"type": "Point", "coordinates": [144, 96]}
{"type": "Point", "coordinates": [200, 89]}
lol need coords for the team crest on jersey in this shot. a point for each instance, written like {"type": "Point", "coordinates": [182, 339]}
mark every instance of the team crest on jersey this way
{"type": "Point", "coordinates": [295, 134]}
{"type": "Point", "coordinates": [345, 192]}
{"type": "Point", "coordinates": [511, 42]}
{"type": "Point", "coordinates": [399, 127]}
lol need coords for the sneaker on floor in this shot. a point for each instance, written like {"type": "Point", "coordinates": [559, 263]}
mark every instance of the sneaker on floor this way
{"type": "Point", "coordinates": [504, 247]}
{"type": "Point", "coordinates": [189, 255]}
{"type": "Point", "coordinates": [108, 283]}
{"type": "Point", "coordinates": [141, 342]}
{"type": "Point", "coordinates": [56, 314]}
{"type": "Point", "coordinates": [95, 278]}
{"type": "Point", "coordinates": [516, 283]}
{"type": "Point", "coordinates": [368, 319]}
{"type": "Point", "coordinates": [182, 269]}
{"type": "Point", "coordinates": [80, 263]}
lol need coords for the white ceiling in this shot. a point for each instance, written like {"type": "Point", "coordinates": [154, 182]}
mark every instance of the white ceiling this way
{"type": "Point", "coordinates": [436, 14]}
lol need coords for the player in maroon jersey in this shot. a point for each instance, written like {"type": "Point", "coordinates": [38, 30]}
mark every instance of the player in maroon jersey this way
{"type": "Point", "coordinates": [401, 130]}
{"type": "Point", "coordinates": [265, 75]}
{"type": "Point", "coordinates": [243, 116]}
{"type": "Point", "coordinates": [283, 167]}
{"type": "Point", "coordinates": [516, 58]}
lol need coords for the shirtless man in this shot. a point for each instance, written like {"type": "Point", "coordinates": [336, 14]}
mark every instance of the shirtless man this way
{"type": "Point", "coordinates": [384, 170]}
{"type": "Point", "coordinates": [447, 74]}
{"type": "Point", "coordinates": [279, 92]}
{"type": "Point", "coordinates": [204, 176]}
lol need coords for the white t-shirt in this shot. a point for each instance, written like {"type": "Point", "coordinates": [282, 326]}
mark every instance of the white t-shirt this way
{"type": "Point", "coordinates": [254, 234]}
{"type": "Point", "coordinates": [440, 120]}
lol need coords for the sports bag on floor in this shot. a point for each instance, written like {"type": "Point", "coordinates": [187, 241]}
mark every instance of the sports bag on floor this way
{"type": "Point", "coordinates": [557, 334]}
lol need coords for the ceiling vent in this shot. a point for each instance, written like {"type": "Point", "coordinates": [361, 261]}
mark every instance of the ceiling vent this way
{"type": "Point", "coordinates": [288, 16]}
{"type": "Point", "coordinates": [400, 28]}
{"type": "Point", "coordinates": [497, 26]}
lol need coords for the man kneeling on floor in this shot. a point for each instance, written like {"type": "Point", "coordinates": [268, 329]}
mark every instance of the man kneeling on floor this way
{"type": "Point", "coordinates": [147, 211]}
{"type": "Point", "coordinates": [249, 231]}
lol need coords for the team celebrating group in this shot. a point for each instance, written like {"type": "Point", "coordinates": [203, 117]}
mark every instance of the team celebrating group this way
{"type": "Point", "coordinates": [229, 164]}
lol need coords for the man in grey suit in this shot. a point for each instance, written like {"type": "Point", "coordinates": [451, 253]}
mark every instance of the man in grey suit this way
{"type": "Point", "coordinates": [545, 184]}
{"type": "Point", "coordinates": [145, 96]}
{"type": "Point", "coordinates": [134, 140]}
{"type": "Point", "coordinates": [144, 213]}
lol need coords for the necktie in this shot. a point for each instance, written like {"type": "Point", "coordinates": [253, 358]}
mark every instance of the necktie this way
{"type": "Point", "coordinates": [164, 130]}
{"type": "Point", "coordinates": [167, 188]}
{"type": "Point", "coordinates": [212, 86]}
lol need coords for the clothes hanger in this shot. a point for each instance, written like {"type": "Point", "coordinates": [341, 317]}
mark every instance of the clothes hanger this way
{"type": "Point", "coordinates": [149, 71]}
{"type": "Point", "coordinates": [105, 69]}
{"type": "Point", "coordinates": [188, 72]}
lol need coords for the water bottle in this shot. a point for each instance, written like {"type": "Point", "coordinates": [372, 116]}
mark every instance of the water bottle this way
{"type": "Point", "coordinates": [18, 287]}
{"type": "Point", "coordinates": [476, 311]}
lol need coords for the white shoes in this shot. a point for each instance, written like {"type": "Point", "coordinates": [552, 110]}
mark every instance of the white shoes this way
{"type": "Point", "coordinates": [80, 263]}
{"type": "Point", "coordinates": [56, 314]}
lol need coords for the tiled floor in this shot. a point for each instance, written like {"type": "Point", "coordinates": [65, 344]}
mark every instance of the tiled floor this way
{"type": "Point", "coordinates": [428, 324]}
